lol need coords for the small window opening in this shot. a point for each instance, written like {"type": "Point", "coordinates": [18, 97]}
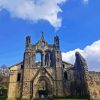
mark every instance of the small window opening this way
{"type": "Point", "coordinates": [57, 53]}
{"type": "Point", "coordinates": [65, 75]}
{"type": "Point", "coordinates": [22, 66]}
{"type": "Point", "coordinates": [43, 44]}
{"type": "Point", "coordinates": [18, 77]}
{"type": "Point", "coordinates": [63, 66]}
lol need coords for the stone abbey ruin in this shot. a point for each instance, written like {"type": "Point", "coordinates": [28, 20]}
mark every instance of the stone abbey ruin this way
{"type": "Point", "coordinates": [51, 77]}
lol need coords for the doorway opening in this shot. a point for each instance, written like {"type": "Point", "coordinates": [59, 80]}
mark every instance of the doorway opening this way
{"type": "Point", "coordinates": [43, 90]}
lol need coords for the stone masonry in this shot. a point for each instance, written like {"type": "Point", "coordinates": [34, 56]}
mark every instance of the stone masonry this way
{"type": "Point", "coordinates": [51, 77]}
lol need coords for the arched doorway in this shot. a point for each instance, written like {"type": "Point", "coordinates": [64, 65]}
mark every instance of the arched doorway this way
{"type": "Point", "coordinates": [42, 88]}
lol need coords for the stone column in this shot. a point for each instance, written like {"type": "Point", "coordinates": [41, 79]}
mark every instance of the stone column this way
{"type": "Point", "coordinates": [49, 60]}
{"type": "Point", "coordinates": [43, 59]}
{"type": "Point", "coordinates": [26, 90]}
{"type": "Point", "coordinates": [26, 93]}
{"type": "Point", "coordinates": [34, 58]}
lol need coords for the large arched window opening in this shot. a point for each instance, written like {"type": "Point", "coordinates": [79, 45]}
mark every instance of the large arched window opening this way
{"type": "Point", "coordinates": [48, 58]}
{"type": "Point", "coordinates": [38, 59]}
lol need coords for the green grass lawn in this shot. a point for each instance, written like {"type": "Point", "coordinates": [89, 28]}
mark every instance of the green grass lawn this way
{"type": "Point", "coordinates": [2, 98]}
{"type": "Point", "coordinates": [70, 99]}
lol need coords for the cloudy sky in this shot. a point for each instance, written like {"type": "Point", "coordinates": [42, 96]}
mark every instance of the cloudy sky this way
{"type": "Point", "coordinates": [76, 22]}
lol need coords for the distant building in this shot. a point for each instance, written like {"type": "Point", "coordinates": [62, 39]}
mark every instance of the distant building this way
{"type": "Point", "coordinates": [50, 76]}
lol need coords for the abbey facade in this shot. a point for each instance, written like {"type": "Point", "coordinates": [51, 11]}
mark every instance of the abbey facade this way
{"type": "Point", "coordinates": [50, 76]}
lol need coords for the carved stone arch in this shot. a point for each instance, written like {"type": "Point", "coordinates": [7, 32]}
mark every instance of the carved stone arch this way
{"type": "Point", "coordinates": [36, 82]}
{"type": "Point", "coordinates": [46, 72]}
{"type": "Point", "coordinates": [49, 84]}
{"type": "Point", "coordinates": [40, 52]}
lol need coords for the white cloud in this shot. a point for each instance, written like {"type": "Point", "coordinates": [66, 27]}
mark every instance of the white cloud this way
{"type": "Point", "coordinates": [35, 10]}
{"type": "Point", "coordinates": [86, 1]}
{"type": "Point", "coordinates": [91, 53]}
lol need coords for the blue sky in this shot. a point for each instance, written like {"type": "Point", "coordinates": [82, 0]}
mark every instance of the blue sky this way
{"type": "Point", "coordinates": [77, 25]}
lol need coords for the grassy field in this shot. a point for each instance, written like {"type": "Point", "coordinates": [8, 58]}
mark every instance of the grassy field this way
{"type": "Point", "coordinates": [70, 99]}
{"type": "Point", "coordinates": [2, 98]}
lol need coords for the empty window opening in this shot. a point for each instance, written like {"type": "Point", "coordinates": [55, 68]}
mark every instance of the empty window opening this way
{"type": "Point", "coordinates": [22, 66]}
{"type": "Point", "coordinates": [48, 59]}
{"type": "Point", "coordinates": [18, 77]}
{"type": "Point", "coordinates": [63, 66]}
{"type": "Point", "coordinates": [38, 59]}
{"type": "Point", "coordinates": [65, 75]}
{"type": "Point", "coordinates": [42, 44]}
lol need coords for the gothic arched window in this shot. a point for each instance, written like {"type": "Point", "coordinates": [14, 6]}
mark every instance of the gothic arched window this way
{"type": "Point", "coordinates": [42, 44]}
{"type": "Point", "coordinates": [38, 59]}
{"type": "Point", "coordinates": [48, 59]}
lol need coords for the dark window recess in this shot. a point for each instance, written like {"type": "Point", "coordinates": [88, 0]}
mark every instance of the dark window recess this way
{"type": "Point", "coordinates": [63, 66]}
{"type": "Point", "coordinates": [65, 75]}
{"type": "Point", "coordinates": [58, 59]}
{"type": "Point", "coordinates": [22, 66]}
{"type": "Point", "coordinates": [18, 77]}
{"type": "Point", "coordinates": [57, 53]}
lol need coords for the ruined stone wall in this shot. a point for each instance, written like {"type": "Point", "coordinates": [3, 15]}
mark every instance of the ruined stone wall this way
{"type": "Point", "coordinates": [14, 84]}
{"type": "Point", "coordinates": [33, 75]}
{"type": "Point", "coordinates": [62, 78]}
{"type": "Point", "coordinates": [68, 78]}
{"type": "Point", "coordinates": [94, 84]}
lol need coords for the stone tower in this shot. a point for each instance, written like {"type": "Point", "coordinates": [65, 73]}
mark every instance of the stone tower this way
{"type": "Point", "coordinates": [49, 70]}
